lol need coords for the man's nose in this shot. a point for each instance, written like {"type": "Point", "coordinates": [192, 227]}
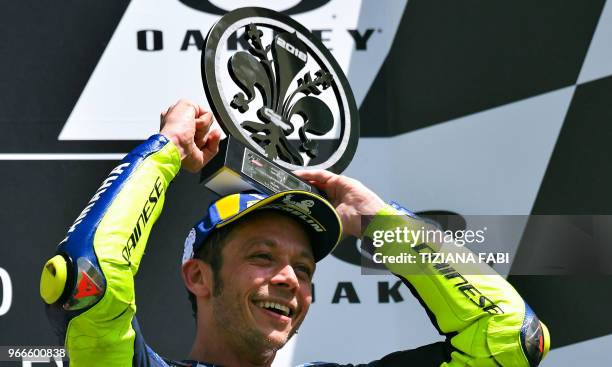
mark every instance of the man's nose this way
{"type": "Point", "coordinates": [286, 277]}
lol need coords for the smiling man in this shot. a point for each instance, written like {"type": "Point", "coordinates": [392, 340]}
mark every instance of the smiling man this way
{"type": "Point", "coordinates": [248, 266]}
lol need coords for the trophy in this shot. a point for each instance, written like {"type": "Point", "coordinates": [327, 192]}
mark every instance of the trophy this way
{"type": "Point", "coordinates": [282, 100]}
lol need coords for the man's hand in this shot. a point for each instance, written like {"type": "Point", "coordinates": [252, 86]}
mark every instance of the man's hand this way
{"type": "Point", "coordinates": [349, 196]}
{"type": "Point", "coordinates": [188, 126]}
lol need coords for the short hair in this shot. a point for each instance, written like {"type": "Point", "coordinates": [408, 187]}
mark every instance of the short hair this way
{"type": "Point", "coordinates": [211, 253]}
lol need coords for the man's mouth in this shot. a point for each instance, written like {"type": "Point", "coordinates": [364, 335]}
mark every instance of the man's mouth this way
{"type": "Point", "coordinates": [275, 307]}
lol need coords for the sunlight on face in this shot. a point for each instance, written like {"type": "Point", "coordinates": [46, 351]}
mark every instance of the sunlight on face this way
{"type": "Point", "coordinates": [266, 275]}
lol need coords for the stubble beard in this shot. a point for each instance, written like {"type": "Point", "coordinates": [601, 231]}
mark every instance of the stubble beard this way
{"type": "Point", "coordinates": [243, 336]}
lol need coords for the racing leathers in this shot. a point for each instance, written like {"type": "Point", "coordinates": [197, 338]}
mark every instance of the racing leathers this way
{"type": "Point", "coordinates": [484, 320]}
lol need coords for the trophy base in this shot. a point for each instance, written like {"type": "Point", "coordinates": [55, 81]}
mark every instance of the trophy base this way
{"type": "Point", "coordinates": [237, 168]}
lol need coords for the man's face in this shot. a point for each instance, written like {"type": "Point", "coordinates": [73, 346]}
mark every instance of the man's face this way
{"type": "Point", "coordinates": [266, 275]}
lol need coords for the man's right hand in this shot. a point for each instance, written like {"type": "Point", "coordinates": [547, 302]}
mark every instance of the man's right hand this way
{"type": "Point", "coordinates": [188, 126]}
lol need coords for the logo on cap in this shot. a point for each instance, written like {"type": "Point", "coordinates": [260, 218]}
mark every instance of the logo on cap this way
{"type": "Point", "coordinates": [303, 206]}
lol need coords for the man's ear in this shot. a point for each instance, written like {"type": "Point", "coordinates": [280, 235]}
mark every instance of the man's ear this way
{"type": "Point", "coordinates": [197, 276]}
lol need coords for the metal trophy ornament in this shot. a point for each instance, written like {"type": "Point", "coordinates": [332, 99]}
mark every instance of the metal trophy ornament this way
{"type": "Point", "coordinates": [282, 100]}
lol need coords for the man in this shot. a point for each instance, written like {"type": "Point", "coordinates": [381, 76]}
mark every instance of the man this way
{"type": "Point", "coordinates": [248, 267]}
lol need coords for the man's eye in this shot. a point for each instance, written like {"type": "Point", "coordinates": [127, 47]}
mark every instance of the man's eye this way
{"type": "Point", "coordinates": [262, 256]}
{"type": "Point", "coordinates": [304, 269]}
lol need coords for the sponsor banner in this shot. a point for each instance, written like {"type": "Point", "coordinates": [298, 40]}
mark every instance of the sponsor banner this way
{"type": "Point", "coordinates": [152, 58]}
{"type": "Point", "coordinates": [7, 292]}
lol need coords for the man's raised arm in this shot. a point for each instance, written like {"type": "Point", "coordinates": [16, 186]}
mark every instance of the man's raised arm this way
{"type": "Point", "coordinates": [484, 319]}
{"type": "Point", "coordinates": [89, 284]}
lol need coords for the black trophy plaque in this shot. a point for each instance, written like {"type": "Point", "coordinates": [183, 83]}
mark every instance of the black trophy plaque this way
{"type": "Point", "coordinates": [282, 100]}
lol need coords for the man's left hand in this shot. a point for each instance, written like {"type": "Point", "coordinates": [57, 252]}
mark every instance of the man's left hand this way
{"type": "Point", "coordinates": [350, 197]}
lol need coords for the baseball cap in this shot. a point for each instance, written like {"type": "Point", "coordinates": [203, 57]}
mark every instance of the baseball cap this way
{"type": "Point", "coordinates": [318, 216]}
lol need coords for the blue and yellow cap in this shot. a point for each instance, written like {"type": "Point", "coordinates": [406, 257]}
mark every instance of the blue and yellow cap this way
{"type": "Point", "coordinates": [317, 214]}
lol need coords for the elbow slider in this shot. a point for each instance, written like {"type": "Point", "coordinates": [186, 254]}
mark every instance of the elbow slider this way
{"type": "Point", "coordinates": [53, 279]}
{"type": "Point", "coordinates": [71, 285]}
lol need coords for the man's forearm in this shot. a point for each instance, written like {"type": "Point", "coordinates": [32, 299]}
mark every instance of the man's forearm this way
{"type": "Point", "coordinates": [484, 318]}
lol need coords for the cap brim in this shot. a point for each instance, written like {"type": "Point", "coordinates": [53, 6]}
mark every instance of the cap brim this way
{"type": "Point", "coordinates": [317, 214]}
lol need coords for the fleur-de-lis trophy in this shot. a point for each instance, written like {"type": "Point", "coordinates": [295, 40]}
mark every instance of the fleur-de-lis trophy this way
{"type": "Point", "coordinates": [283, 102]}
